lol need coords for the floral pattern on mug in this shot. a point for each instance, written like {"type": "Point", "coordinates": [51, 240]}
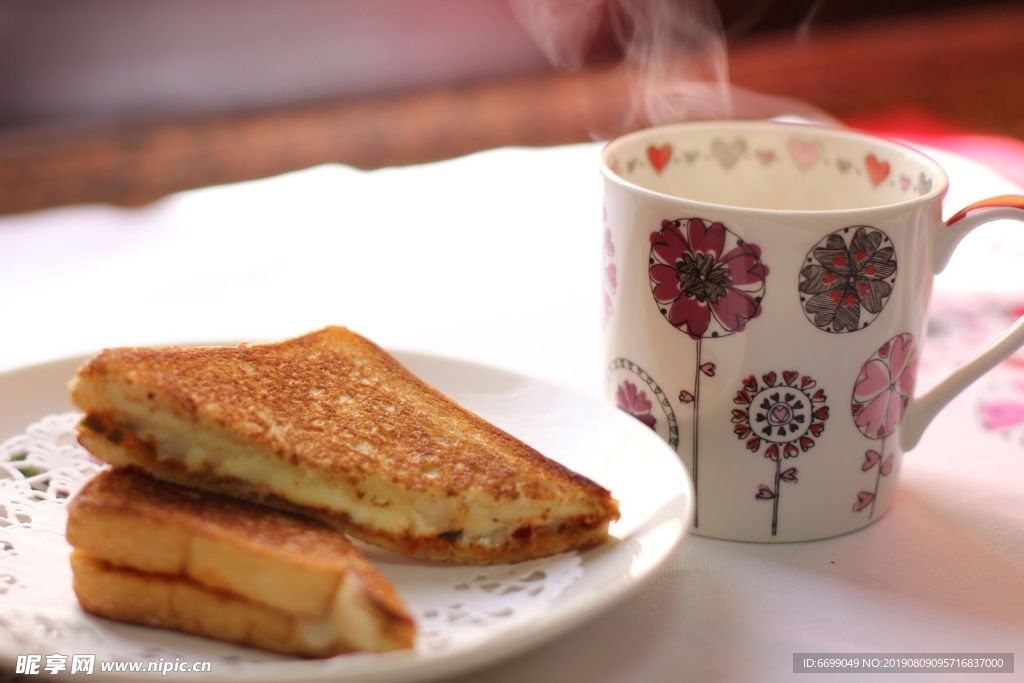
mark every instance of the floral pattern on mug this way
{"type": "Point", "coordinates": [707, 282]}
{"type": "Point", "coordinates": [635, 402]}
{"type": "Point", "coordinates": [848, 283]}
{"type": "Point", "coordinates": [784, 414]}
{"type": "Point", "coordinates": [632, 384]}
{"type": "Point", "coordinates": [881, 393]}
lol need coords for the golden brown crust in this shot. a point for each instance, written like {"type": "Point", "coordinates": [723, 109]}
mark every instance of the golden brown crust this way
{"type": "Point", "coordinates": [174, 602]}
{"type": "Point", "coordinates": [131, 531]}
{"type": "Point", "coordinates": [336, 404]}
{"type": "Point", "coordinates": [132, 495]}
{"type": "Point", "coordinates": [271, 395]}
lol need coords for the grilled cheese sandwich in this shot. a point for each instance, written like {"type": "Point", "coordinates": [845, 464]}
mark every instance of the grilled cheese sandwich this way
{"type": "Point", "coordinates": [154, 553]}
{"type": "Point", "coordinates": [330, 425]}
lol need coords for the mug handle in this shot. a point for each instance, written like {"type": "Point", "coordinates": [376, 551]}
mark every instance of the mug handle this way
{"type": "Point", "coordinates": [923, 409]}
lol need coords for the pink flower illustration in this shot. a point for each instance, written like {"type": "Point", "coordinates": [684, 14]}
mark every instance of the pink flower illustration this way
{"type": "Point", "coordinates": [884, 386]}
{"type": "Point", "coordinates": [635, 402]}
{"type": "Point", "coordinates": [706, 280]}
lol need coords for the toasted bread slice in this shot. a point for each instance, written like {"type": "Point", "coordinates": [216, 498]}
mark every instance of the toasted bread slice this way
{"type": "Point", "coordinates": [151, 552]}
{"type": "Point", "coordinates": [331, 425]}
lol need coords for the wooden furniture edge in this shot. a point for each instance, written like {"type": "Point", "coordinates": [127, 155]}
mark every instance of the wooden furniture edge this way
{"type": "Point", "coordinates": [964, 65]}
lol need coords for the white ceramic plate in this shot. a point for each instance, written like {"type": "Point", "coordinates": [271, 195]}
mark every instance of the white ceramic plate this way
{"type": "Point", "coordinates": [468, 617]}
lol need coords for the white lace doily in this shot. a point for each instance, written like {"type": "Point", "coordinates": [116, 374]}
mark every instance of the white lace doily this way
{"type": "Point", "coordinates": [41, 468]}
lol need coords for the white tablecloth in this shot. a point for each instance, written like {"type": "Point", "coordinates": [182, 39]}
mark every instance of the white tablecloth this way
{"type": "Point", "coordinates": [495, 258]}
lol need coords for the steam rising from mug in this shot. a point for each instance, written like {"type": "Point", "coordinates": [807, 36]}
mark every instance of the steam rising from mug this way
{"type": "Point", "coordinates": [675, 52]}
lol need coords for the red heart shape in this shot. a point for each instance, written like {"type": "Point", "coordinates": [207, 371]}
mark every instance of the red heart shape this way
{"type": "Point", "coordinates": [659, 156]}
{"type": "Point", "coordinates": [611, 276]}
{"type": "Point", "coordinates": [804, 153]}
{"type": "Point", "coordinates": [875, 377]}
{"type": "Point", "coordinates": [877, 170]}
{"type": "Point", "coordinates": [864, 499]}
{"type": "Point", "coordinates": [871, 458]}
{"type": "Point", "coordinates": [790, 376]}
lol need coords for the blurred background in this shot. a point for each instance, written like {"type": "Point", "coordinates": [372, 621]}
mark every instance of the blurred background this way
{"type": "Point", "coordinates": [122, 102]}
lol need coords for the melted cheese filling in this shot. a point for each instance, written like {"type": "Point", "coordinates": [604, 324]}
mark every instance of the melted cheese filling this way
{"type": "Point", "coordinates": [472, 517]}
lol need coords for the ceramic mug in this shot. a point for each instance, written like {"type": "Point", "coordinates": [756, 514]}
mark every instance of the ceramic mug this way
{"type": "Point", "coordinates": [766, 295]}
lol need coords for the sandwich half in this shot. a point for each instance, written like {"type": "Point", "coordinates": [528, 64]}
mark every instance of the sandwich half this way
{"type": "Point", "coordinates": [330, 425]}
{"type": "Point", "coordinates": [154, 553]}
